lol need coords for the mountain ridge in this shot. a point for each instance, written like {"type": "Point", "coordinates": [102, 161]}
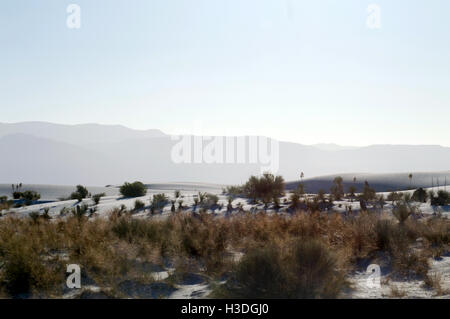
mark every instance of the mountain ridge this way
{"type": "Point", "coordinates": [96, 160]}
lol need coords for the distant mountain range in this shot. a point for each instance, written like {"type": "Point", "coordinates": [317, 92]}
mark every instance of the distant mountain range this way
{"type": "Point", "coordinates": [94, 154]}
{"type": "Point", "coordinates": [82, 134]}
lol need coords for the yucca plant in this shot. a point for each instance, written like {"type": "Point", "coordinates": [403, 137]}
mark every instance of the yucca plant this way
{"type": "Point", "coordinates": [402, 212]}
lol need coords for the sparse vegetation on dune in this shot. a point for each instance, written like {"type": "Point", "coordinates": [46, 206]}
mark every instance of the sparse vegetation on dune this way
{"type": "Point", "coordinates": [27, 197]}
{"type": "Point", "coordinates": [301, 248]}
{"type": "Point", "coordinates": [308, 254]}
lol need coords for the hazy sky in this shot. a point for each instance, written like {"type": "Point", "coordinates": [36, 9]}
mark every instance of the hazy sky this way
{"type": "Point", "coordinates": [303, 71]}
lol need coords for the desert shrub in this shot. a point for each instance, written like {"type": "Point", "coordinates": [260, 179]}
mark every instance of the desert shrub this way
{"type": "Point", "coordinates": [230, 204]}
{"type": "Point", "coordinates": [385, 231]}
{"type": "Point", "coordinates": [352, 192]}
{"type": "Point", "coordinates": [133, 230]}
{"type": "Point", "coordinates": [266, 186]}
{"type": "Point", "coordinates": [410, 263]}
{"type": "Point", "coordinates": [313, 271]}
{"type": "Point", "coordinates": [442, 198]}
{"type": "Point", "coordinates": [17, 195]}
{"type": "Point", "coordinates": [306, 269]}
{"type": "Point", "coordinates": [433, 280]}
{"type": "Point", "coordinates": [360, 235]}
{"type": "Point", "coordinates": [402, 212]}
{"type": "Point", "coordinates": [96, 198]}
{"type": "Point", "coordinates": [138, 205]}
{"type": "Point", "coordinates": [201, 197]}
{"type": "Point", "coordinates": [136, 189]}
{"type": "Point", "coordinates": [28, 196]}
{"type": "Point", "coordinates": [180, 204]}
{"type": "Point", "coordinates": [80, 211]}
{"type": "Point", "coordinates": [300, 189]}
{"type": "Point", "coordinates": [24, 271]}
{"type": "Point", "coordinates": [407, 197]}
{"type": "Point", "coordinates": [259, 274]}
{"type": "Point", "coordinates": [337, 189]}
{"type": "Point", "coordinates": [396, 239]}
{"type": "Point", "coordinates": [211, 200]}
{"type": "Point", "coordinates": [437, 232]}
{"type": "Point", "coordinates": [368, 193]}
{"type": "Point", "coordinates": [295, 199]}
{"type": "Point", "coordinates": [394, 196]}
{"type": "Point", "coordinates": [159, 201]}
{"type": "Point", "coordinates": [34, 216]}
{"type": "Point", "coordinates": [234, 190]}
{"type": "Point", "coordinates": [5, 203]}
{"type": "Point", "coordinates": [321, 195]}
{"type": "Point", "coordinates": [420, 195]}
{"type": "Point", "coordinates": [202, 238]}
{"type": "Point", "coordinates": [80, 193]}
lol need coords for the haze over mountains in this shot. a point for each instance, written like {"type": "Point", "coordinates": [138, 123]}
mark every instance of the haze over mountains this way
{"type": "Point", "coordinates": [93, 154]}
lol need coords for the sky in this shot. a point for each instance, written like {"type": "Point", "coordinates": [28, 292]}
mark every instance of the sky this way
{"type": "Point", "coordinates": [300, 71]}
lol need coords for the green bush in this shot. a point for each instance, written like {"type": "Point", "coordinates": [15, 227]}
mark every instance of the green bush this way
{"type": "Point", "coordinates": [266, 186]}
{"type": "Point", "coordinates": [159, 201]}
{"type": "Point", "coordinates": [420, 195]}
{"type": "Point", "coordinates": [394, 196]}
{"type": "Point", "coordinates": [96, 198]}
{"type": "Point", "coordinates": [136, 189]}
{"type": "Point", "coordinates": [211, 200]}
{"type": "Point", "coordinates": [442, 198]}
{"type": "Point", "coordinates": [80, 193]}
{"type": "Point", "coordinates": [402, 212]}
{"type": "Point", "coordinates": [30, 197]}
{"type": "Point", "coordinates": [138, 205]}
{"type": "Point", "coordinates": [234, 190]}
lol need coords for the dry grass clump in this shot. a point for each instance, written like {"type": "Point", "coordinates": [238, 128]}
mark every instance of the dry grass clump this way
{"type": "Point", "coordinates": [437, 231]}
{"type": "Point", "coordinates": [396, 292]}
{"type": "Point", "coordinates": [433, 281]}
{"type": "Point", "coordinates": [303, 269]}
{"type": "Point", "coordinates": [24, 250]}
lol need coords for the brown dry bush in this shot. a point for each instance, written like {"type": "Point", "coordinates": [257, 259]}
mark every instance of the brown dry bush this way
{"type": "Point", "coordinates": [300, 269]}
{"type": "Point", "coordinates": [35, 252]}
{"type": "Point", "coordinates": [24, 254]}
